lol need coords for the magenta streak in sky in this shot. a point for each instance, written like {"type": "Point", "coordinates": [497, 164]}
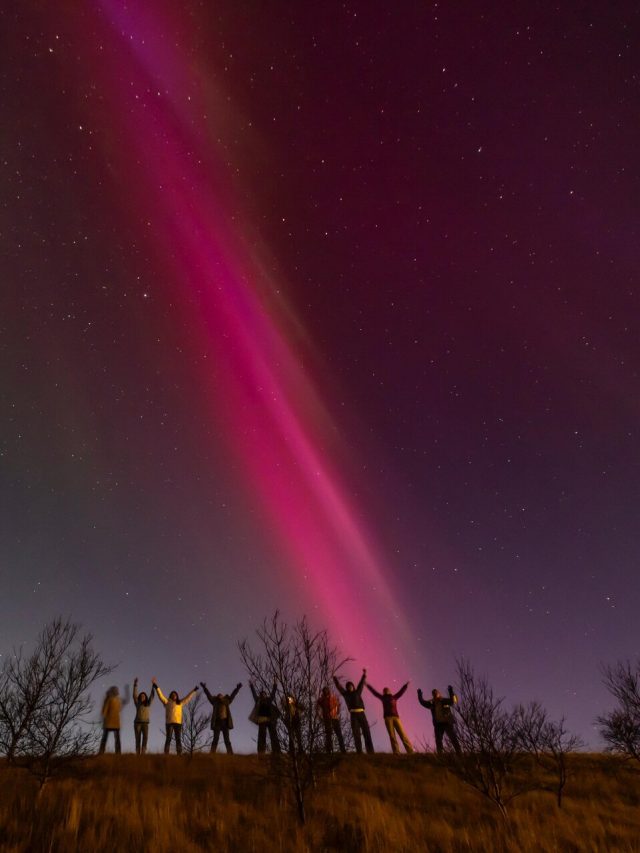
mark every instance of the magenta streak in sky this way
{"type": "Point", "coordinates": [262, 399]}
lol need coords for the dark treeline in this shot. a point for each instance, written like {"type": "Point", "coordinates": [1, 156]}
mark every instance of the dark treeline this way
{"type": "Point", "coordinates": [306, 715]}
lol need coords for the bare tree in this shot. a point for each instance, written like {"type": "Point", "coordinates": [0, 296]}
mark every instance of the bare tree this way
{"type": "Point", "coordinates": [44, 699]}
{"type": "Point", "coordinates": [549, 742]}
{"type": "Point", "coordinates": [195, 726]}
{"type": "Point", "coordinates": [491, 758]}
{"type": "Point", "coordinates": [620, 728]}
{"type": "Point", "coordinates": [300, 661]}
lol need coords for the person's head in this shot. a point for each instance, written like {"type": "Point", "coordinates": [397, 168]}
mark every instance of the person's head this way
{"type": "Point", "coordinates": [325, 691]}
{"type": "Point", "coordinates": [263, 694]}
{"type": "Point", "coordinates": [174, 696]}
{"type": "Point", "coordinates": [436, 694]}
{"type": "Point", "coordinates": [142, 698]}
{"type": "Point", "coordinates": [386, 690]}
{"type": "Point", "coordinates": [220, 697]}
{"type": "Point", "coordinates": [350, 686]}
{"type": "Point", "coordinates": [112, 691]}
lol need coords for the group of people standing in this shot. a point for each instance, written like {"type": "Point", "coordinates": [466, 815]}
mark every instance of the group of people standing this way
{"type": "Point", "coordinates": [265, 715]}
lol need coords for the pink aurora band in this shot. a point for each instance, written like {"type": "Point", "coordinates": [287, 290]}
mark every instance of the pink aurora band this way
{"type": "Point", "coordinates": [264, 403]}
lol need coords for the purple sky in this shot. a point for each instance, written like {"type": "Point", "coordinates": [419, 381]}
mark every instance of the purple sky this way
{"type": "Point", "coordinates": [328, 308]}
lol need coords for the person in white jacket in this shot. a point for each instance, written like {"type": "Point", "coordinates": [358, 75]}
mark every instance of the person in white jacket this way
{"type": "Point", "coordinates": [173, 712]}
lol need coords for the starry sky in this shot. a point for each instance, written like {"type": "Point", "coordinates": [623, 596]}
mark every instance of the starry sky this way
{"type": "Point", "coordinates": [329, 308]}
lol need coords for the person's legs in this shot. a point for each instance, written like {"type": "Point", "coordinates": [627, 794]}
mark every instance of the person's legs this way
{"type": "Point", "coordinates": [137, 731]}
{"type": "Point", "coordinates": [167, 740]}
{"type": "Point", "coordinates": [262, 737]}
{"type": "Point", "coordinates": [328, 739]}
{"type": "Point", "coordinates": [453, 737]}
{"type": "Point", "coordinates": [366, 731]}
{"type": "Point", "coordinates": [227, 739]}
{"type": "Point", "coordinates": [338, 730]}
{"type": "Point", "coordinates": [389, 723]}
{"type": "Point", "coordinates": [103, 742]}
{"type": "Point", "coordinates": [439, 732]}
{"type": "Point", "coordinates": [355, 728]}
{"type": "Point", "coordinates": [273, 734]}
{"type": "Point", "coordinates": [144, 728]}
{"type": "Point", "coordinates": [116, 735]}
{"type": "Point", "coordinates": [403, 735]}
{"type": "Point", "coordinates": [216, 738]}
{"type": "Point", "coordinates": [178, 734]}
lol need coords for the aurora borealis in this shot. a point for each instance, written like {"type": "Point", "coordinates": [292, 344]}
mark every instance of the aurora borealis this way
{"type": "Point", "coordinates": [328, 309]}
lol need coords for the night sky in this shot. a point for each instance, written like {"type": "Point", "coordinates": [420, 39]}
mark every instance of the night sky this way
{"type": "Point", "coordinates": [331, 308]}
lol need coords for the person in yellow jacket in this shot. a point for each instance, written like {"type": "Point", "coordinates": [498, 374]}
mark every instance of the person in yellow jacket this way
{"type": "Point", "coordinates": [173, 714]}
{"type": "Point", "coordinates": [111, 708]}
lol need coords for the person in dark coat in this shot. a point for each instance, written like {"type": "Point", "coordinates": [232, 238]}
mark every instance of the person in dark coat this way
{"type": "Point", "coordinates": [142, 701]}
{"type": "Point", "coordinates": [391, 719]}
{"type": "Point", "coordinates": [352, 696]}
{"type": "Point", "coordinates": [441, 709]}
{"type": "Point", "coordinates": [221, 719]}
{"type": "Point", "coordinates": [265, 716]}
{"type": "Point", "coordinates": [328, 710]}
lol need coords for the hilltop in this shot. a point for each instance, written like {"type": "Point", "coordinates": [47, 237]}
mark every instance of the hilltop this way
{"type": "Point", "coordinates": [365, 803]}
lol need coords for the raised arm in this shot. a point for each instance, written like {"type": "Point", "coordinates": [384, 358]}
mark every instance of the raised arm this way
{"type": "Point", "coordinates": [253, 691]}
{"type": "Point", "coordinates": [401, 691]}
{"type": "Point", "coordinates": [161, 695]}
{"type": "Point", "coordinates": [423, 702]}
{"type": "Point", "coordinates": [375, 692]}
{"type": "Point", "coordinates": [339, 686]}
{"type": "Point", "coordinates": [190, 696]}
{"type": "Point", "coordinates": [453, 699]}
{"type": "Point", "coordinates": [362, 681]}
{"type": "Point", "coordinates": [234, 693]}
{"type": "Point", "coordinates": [273, 692]}
{"type": "Point", "coordinates": [207, 694]}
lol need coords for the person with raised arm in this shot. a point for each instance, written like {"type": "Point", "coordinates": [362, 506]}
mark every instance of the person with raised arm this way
{"type": "Point", "coordinates": [391, 719]}
{"type": "Point", "coordinates": [441, 709]}
{"type": "Point", "coordinates": [328, 709]}
{"type": "Point", "coordinates": [173, 714]}
{"type": "Point", "coordinates": [265, 716]}
{"type": "Point", "coordinates": [142, 701]}
{"type": "Point", "coordinates": [111, 708]}
{"type": "Point", "coordinates": [352, 696]}
{"type": "Point", "coordinates": [221, 719]}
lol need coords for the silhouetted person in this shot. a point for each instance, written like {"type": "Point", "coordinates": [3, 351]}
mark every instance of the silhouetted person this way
{"type": "Point", "coordinates": [142, 701]}
{"type": "Point", "coordinates": [173, 715]}
{"type": "Point", "coordinates": [292, 711]}
{"type": "Point", "coordinates": [391, 719]}
{"type": "Point", "coordinates": [442, 716]}
{"type": "Point", "coordinates": [111, 708]}
{"type": "Point", "coordinates": [265, 716]}
{"type": "Point", "coordinates": [352, 696]}
{"type": "Point", "coordinates": [328, 709]}
{"type": "Point", "coordinates": [221, 719]}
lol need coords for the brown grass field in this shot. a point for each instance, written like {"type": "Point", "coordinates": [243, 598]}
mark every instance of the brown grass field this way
{"type": "Point", "coordinates": [366, 803]}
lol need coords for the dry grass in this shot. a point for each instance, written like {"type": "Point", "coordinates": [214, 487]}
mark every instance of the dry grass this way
{"type": "Point", "coordinates": [368, 803]}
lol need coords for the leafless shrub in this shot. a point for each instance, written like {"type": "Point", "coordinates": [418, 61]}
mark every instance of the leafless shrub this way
{"type": "Point", "coordinates": [195, 726]}
{"type": "Point", "coordinates": [300, 661]}
{"type": "Point", "coordinates": [620, 728]}
{"type": "Point", "coordinates": [491, 760]}
{"type": "Point", "coordinates": [45, 702]}
{"type": "Point", "coordinates": [549, 742]}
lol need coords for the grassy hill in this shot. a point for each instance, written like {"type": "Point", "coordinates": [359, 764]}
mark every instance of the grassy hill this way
{"type": "Point", "coordinates": [365, 803]}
